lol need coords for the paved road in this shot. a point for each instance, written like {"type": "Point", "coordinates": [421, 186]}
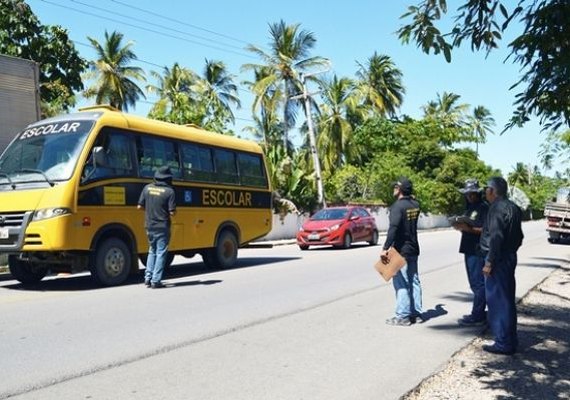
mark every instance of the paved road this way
{"type": "Point", "coordinates": [285, 324]}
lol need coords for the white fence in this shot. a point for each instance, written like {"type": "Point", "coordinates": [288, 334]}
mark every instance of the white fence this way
{"type": "Point", "coordinates": [287, 227]}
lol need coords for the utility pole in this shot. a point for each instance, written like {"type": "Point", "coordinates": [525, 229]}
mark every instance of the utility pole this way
{"type": "Point", "coordinates": [312, 140]}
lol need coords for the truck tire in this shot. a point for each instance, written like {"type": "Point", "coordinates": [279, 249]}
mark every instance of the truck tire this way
{"type": "Point", "coordinates": [26, 272]}
{"type": "Point", "coordinates": [111, 263]}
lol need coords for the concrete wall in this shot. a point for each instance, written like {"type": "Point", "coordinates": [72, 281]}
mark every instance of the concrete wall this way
{"type": "Point", "coordinates": [287, 227]}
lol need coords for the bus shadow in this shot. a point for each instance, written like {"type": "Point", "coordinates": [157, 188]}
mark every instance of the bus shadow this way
{"type": "Point", "coordinates": [199, 268]}
{"type": "Point", "coordinates": [84, 282]}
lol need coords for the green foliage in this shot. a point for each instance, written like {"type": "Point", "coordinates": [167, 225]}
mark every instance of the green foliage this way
{"type": "Point", "coordinates": [541, 49]}
{"type": "Point", "coordinates": [348, 183]}
{"type": "Point", "coordinates": [539, 189]}
{"type": "Point", "coordinates": [187, 98]}
{"type": "Point", "coordinates": [115, 80]}
{"type": "Point", "coordinates": [22, 35]}
{"type": "Point", "coordinates": [293, 182]}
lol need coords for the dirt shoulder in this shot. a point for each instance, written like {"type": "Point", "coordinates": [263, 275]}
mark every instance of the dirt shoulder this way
{"type": "Point", "coordinates": [541, 368]}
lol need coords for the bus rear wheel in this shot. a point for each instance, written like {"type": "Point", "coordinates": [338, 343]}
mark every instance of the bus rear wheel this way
{"type": "Point", "coordinates": [224, 255]}
{"type": "Point", "coordinates": [26, 272]}
{"type": "Point", "coordinates": [111, 263]}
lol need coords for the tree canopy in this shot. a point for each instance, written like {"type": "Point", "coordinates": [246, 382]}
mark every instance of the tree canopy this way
{"type": "Point", "coordinates": [22, 35]}
{"type": "Point", "coordinates": [541, 48]}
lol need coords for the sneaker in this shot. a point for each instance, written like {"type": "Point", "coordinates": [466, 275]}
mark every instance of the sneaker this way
{"type": "Point", "coordinates": [468, 320]}
{"type": "Point", "coordinates": [157, 285]}
{"type": "Point", "coordinates": [147, 283]}
{"type": "Point", "coordinates": [399, 321]}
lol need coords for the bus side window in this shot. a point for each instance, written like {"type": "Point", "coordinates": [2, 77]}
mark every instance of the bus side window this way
{"type": "Point", "coordinates": [116, 149]}
{"type": "Point", "coordinates": [251, 170]}
{"type": "Point", "coordinates": [153, 153]}
{"type": "Point", "coordinates": [198, 164]}
{"type": "Point", "coordinates": [226, 167]}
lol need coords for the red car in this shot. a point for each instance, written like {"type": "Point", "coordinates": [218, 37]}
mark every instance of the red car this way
{"type": "Point", "coordinates": [338, 226]}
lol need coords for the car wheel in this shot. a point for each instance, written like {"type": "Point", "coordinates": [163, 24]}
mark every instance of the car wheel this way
{"type": "Point", "coordinates": [374, 240]}
{"type": "Point", "coordinates": [346, 241]}
{"type": "Point", "coordinates": [304, 246]}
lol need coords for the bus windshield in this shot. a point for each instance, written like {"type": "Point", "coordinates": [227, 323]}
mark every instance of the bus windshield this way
{"type": "Point", "coordinates": [44, 153]}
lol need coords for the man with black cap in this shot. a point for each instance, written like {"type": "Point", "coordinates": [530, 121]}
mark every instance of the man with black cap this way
{"type": "Point", "coordinates": [471, 227]}
{"type": "Point", "coordinates": [403, 236]}
{"type": "Point", "coordinates": [501, 238]}
{"type": "Point", "coordinates": [158, 201]}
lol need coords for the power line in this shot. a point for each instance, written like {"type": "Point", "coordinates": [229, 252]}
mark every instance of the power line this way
{"type": "Point", "coordinates": [157, 25]}
{"type": "Point", "coordinates": [239, 89]}
{"type": "Point", "coordinates": [178, 21]}
{"type": "Point", "coordinates": [137, 59]}
{"type": "Point", "coordinates": [146, 29]}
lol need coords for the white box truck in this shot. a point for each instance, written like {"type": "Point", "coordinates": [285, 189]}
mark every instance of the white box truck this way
{"type": "Point", "coordinates": [19, 96]}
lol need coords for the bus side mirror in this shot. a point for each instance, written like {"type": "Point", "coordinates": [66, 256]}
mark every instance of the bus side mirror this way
{"type": "Point", "coordinates": [99, 157]}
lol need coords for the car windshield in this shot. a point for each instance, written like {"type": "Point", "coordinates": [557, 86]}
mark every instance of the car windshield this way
{"type": "Point", "coordinates": [45, 152]}
{"type": "Point", "coordinates": [331, 213]}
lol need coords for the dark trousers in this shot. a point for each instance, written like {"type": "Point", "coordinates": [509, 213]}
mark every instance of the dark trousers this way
{"type": "Point", "coordinates": [500, 290]}
{"type": "Point", "coordinates": [474, 266]}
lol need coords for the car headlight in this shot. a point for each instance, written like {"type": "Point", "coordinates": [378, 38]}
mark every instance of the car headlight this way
{"type": "Point", "coordinates": [301, 229]}
{"type": "Point", "coordinates": [334, 227]}
{"type": "Point", "coordinates": [46, 213]}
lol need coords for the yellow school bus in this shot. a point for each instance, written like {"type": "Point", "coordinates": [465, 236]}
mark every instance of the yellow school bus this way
{"type": "Point", "coordinates": [69, 187]}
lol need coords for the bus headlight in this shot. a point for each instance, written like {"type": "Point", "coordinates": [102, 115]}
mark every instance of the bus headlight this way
{"type": "Point", "coordinates": [46, 213]}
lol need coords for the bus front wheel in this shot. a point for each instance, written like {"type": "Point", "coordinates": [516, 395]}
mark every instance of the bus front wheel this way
{"type": "Point", "coordinates": [224, 255]}
{"type": "Point", "coordinates": [26, 272]}
{"type": "Point", "coordinates": [111, 263]}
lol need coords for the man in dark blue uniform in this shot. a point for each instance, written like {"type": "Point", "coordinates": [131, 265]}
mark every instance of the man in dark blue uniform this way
{"type": "Point", "coordinates": [474, 215]}
{"type": "Point", "coordinates": [501, 238]}
{"type": "Point", "coordinates": [158, 201]}
{"type": "Point", "coordinates": [403, 236]}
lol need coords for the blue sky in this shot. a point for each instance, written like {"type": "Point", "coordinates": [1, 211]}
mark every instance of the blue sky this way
{"type": "Point", "coordinates": [346, 33]}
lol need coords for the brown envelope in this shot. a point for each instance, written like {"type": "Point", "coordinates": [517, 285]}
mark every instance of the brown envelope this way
{"type": "Point", "coordinates": [389, 266]}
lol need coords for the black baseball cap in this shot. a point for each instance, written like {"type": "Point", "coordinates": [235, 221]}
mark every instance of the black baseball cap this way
{"type": "Point", "coordinates": [405, 185]}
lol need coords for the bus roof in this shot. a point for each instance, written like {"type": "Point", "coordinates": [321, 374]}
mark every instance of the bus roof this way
{"type": "Point", "coordinates": [167, 129]}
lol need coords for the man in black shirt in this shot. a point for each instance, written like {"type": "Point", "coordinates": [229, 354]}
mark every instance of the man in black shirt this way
{"type": "Point", "coordinates": [403, 236]}
{"type": "Point", "coordinates": [158, 201]}
{"type": "Point", "coordinates": [501, 238]}
{"type": "Point", "coordinates": [475, 213]}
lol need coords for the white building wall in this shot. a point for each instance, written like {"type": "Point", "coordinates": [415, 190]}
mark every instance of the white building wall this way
{"type": "Point", "coordinates": [287, 227]}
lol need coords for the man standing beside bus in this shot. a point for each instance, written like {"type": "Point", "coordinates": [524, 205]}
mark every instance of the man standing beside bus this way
{"type": "Point", "coordinates": [159, 202]}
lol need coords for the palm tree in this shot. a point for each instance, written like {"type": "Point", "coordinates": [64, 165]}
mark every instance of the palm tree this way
{"type": "Point", "coordinates": [520, 176]}
{"type": "Point", "coordinates": [380, 84]}
{"type": "Point", "coordinates": [449, 120]}
{"type": "Point", "coordinates": [177, 102]}
{"type": "Point", "coordinates": [335, 131]}
{"type": "Point", "coordinates": [287, 58]}
{"type": "Point", "coordinates": [219, 91]}
{"type": "Point", "coordinates": [447, 110]}
{"type": "Point", "coordinates": [481, 122]}
{"type": "Point", "coordinates": [115, 80]}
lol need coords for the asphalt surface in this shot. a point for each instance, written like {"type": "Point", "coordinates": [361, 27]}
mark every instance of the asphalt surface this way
{"type": "Point", "coordinates": [284, 324]}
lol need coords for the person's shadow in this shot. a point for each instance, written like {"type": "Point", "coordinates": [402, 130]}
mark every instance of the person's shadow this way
{"type": "Point", "coordinates": [438, 311]}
